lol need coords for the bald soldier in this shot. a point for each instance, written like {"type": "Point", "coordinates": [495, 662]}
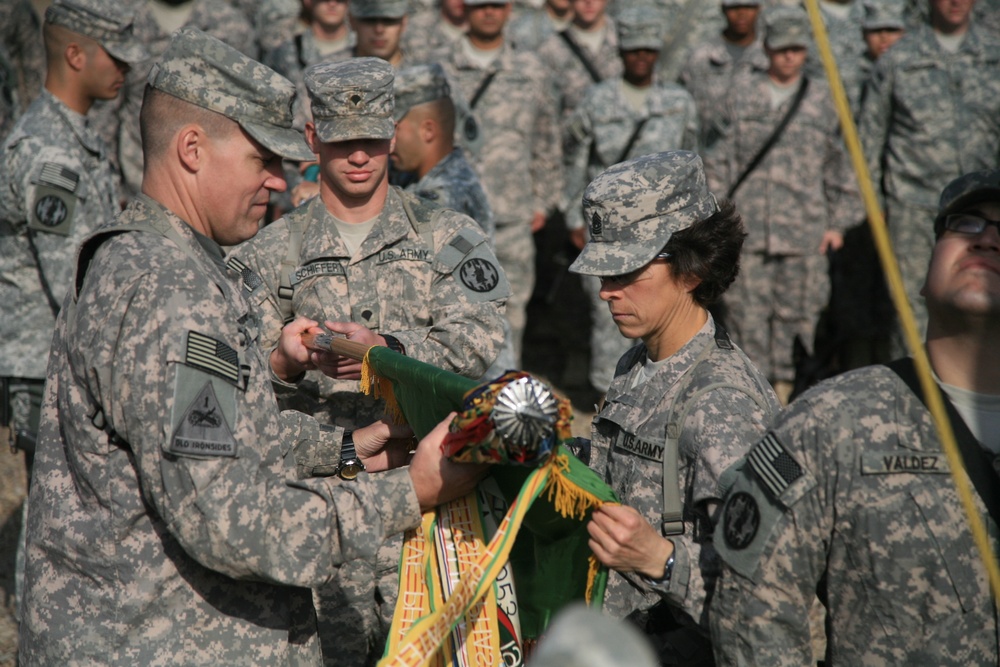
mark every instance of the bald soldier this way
{"type": "Point", "coordinates": [176, 515]}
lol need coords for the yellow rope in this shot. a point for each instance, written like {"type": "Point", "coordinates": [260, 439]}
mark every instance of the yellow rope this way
{"type": "Point", "coordinates": [895, 280]}
{"type": "Point", "coordinates": [376, 386]}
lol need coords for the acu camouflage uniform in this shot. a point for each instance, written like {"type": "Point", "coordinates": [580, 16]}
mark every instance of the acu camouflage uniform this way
{"type": "Point", "coordinates": [531, 27]}
{"type": "Point", "coordinates": [453, 184]}
{"type": "Point", "coordinates": [708, 75]}
{"type": "Point", "coordinates": [600, 134]}
{"type": "Point", "coordinates": [570, 78]}
{"type": "Point", "coordinates": [928, 116]}
{"type": "Point", "coordinates": [801, 189]}
{"type": "Point", "coordinates": [851, 488]}
{"type": "Point", "coordinates": [517, 126]}
{"type": "Point", "coordinates": [424, 274]}
{"type": "Point", "coordinates": [172, 516]}
{"type": "Point", "coordinates": [293, 57]}
{"type": "Point", "coordinates": [705, 404]}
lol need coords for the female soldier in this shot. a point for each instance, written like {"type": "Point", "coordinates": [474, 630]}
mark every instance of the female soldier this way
{"type": "Point", "coordinates": [683, 406]}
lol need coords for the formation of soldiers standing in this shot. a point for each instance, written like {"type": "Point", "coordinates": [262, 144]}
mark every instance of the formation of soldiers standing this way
{"type": "Point", "coordinates": [502, 113]}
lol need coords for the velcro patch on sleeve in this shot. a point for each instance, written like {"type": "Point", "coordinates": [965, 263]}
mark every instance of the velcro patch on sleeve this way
{"type": "Point", "coordinates": [212, 356]}
{"type": "Point", "coordinates": [774, 467]}
{"type": "Point", "coordinates": [204, 408]}
{"type": "Point", "coordinates": [248, 276]}
{"type": "Point", "coordinates": [56, 175]}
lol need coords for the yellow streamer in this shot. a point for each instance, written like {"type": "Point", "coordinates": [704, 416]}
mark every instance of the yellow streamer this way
{"type": "Point", "coordinates": [895, 280]}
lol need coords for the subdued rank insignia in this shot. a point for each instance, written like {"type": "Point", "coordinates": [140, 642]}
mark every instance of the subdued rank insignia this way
{"type": "Point", "coordinates": [479, 275]}
{"type": "Point", "coordinates": [251, 280]}
{"type": "Point", "coordinates": [740, 520]}
{"type": "Point", "coordinates": [212, 356]}
{"type": "Point", "coordinates": [774, 467]}
{"type": "Point", "coordinates": [203, 430]}
{"type": "Point", "coordinates": [356, 100]}
{"type": "Point", "coordinates": [596, 225]}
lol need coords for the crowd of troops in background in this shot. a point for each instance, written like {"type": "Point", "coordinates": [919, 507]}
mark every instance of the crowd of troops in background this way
{"type": "Point", "coordinates": [542, 98]}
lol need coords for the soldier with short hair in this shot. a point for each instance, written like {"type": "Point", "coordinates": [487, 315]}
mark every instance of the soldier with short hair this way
{"type": "Point", "coordinates": [685, 403]}
{"type": "Point", "coordinates": [176, 516]}
{"type": "Point", "coordinates": [518, 156]}
{"type": "Point", "coordinates": [381, 267]}
{"type": "Point", "coordinates": [618, 119]}
{"type": "Point", "coordinates": [709, 70]}
{"type": "Point", "coordinates": [56, 186]}
{"type": "Point", "coordinates": [379, 26]}
{"type": "Point", "coordinates": [849, 494]}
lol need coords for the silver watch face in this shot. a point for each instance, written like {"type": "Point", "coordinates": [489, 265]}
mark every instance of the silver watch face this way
{"type": "Point", "coordinates": [351, 469]}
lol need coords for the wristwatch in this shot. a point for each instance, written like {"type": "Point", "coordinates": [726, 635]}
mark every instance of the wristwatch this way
{"type": "Point", "coordinates": [393, 344]}
{"type": "Point", "coordinates": [350, 462]}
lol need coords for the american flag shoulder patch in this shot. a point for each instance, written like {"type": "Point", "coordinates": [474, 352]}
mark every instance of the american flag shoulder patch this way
{"type": "Point", "coordinates": [59, 176]}
{"type": "Point", "coordinates": [251, 280]}
{"type": "Point", "coordinates": [774, 467]}
{"type": "Point", "coordinates": [212, 356]}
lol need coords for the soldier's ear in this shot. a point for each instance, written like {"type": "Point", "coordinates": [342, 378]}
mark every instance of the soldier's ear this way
{"type": "Point", "coordinates": [311, 138]}
{"type": "Point", "coordinates": [75, 56]}
{"type": "Point", "coordinates": [191, 143]}
{"type": "Point", "coordinates": [429, 130]}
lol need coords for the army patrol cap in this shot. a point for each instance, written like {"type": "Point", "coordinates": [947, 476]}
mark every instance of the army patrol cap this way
{"type": "Point", "coordinates": [966, 190]}
{"type": "Point", "coordinates": [104, 21]}
{"type": "Point", "coordinates": [882, 15]}
{"type": "Point", "coordinates": [740, 3]}
{"type": "Point", "coordinates": [352, 99]}
{"type": "Point", "coordinates": [201, 70]}
{"type": "Point", "coordinates": [379, 9]}
{"type": "Point", "coordinates": [419, 84]}
{"type": "Point", "coordinates": [639, 27]}
{"type": "Point", "coordinates": [633, 209]}
{"type": "Point", "coordinates": [477, 3]}
{"type": "Point", "coordinates": [786, 26]}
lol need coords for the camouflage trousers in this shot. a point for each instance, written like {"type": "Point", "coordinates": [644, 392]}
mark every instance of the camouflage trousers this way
{"type": "Point", "coordinates": [774, 300]}
{"type": "Point", "coordinates": [607, 345]}
{"type": "Point", "coordinates": [911, 229]}
{"type": "Point", "coordinates": [515, 248]}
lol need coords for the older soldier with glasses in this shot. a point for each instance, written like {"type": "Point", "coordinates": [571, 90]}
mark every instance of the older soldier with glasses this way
{"type": "Point", "coordinates": [684, 405]}
{"type": "Point", "coordinates": [850, 495]}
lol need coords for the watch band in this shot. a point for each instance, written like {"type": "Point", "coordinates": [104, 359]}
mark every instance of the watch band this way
{"type": "Point", "coordinates": [393, 344]}
{"type": "Point", "coordinates": [350, 463]}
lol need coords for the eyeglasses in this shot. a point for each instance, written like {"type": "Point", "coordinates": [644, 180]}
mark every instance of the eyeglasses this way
{"type": "Point", "coordinates": [968, 223]}
{"type": "Point", "coordinates": [628, 278]}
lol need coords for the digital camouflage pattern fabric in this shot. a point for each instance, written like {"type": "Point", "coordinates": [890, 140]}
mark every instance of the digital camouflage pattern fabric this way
{"type": "Point", "coordinates": [573, 78]}
{"type": "Point", "coordinates": [171, 519]}
{"type": "Point", "coordinates": [628, 447]}
{"type": "Point", "coordinates": [851, 488]}
{"type": "Point", "coordinates": [452, 183]}
{"type": "Point", "coordinates": [56, 186]}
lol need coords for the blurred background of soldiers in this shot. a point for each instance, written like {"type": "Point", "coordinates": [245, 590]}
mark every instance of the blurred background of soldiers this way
{"type": "Point", "coordinates": [431, 32]}
{"type": "Point", "coordinates": [520, 158]}
{"type": "Point", "coordinates": [930, 113]}
{"type": "Point", "coordinates": [783, 162]}
{"type": "Point", "coordinates": [531, 27]}
{"type": "Point", "coordinates": [618, 119]}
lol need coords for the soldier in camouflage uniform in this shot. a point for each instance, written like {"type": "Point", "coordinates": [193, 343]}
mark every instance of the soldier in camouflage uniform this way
{"type": "Point", "coordinates": [850, 495]}
{"type": "Point", "coordinates": [379, 26]}
{"type": "Point", "coordinates": [711, 66]}
{"type": "Point", "coordinates": [175, 514]}
{"type": "Point", "coordinates": [56, 186]}
{"type": "Point", "coordinates": [929, 114]}
{"type": "Point", "coordinates": [519, 159]}
{"type": "Point", "coordinates": [328, 38]}
{"type": "Point", "coordinates": [842, 19]}
{"type": "Point", "coordinates": [430, 32]}
{"type": "Point", "coordinates": [618, 119]}
{"type": "Point", "coordinates": [882, 27]}
{"type": "Point", "coordinates": [685, 404]}
{"type": "Point", "coordinates": [583, 54]}
{"type": "Point", "coordinates": [531, 27]}
{"type": "Point", "coordinates": [797, 201]}
{"type": "Point", "coordinates": [425, 146]}
{"type": "Point", "coordinates": [382, 267]}
{"type": "Point", "coordinates": [22, 61]}
{"type": "Point", "coordinates": [155, 21]}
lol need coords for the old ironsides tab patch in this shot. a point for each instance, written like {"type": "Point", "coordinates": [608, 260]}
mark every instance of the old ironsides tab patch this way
{"type": "Point", "coordinates": [212, 356]}
{"type": "Point", "coordinates": [775, 467]}
{"type": "Point", "coordinates": [203, 430]}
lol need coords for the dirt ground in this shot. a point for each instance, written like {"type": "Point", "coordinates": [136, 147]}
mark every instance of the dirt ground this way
{"type": "Point", "coordinates": [555, 349]}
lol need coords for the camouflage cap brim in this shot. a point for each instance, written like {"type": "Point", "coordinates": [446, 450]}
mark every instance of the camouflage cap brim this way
{"type": "Point", "coordinates": [356, 127]}
{"type": "Point", "coordinates": [286, 142]}
{"type": "Point", "coordinates": [127, 51]}
{"type": "Point", "coordinates": [967, 190]}
{"type": "Point", "coordinates": [613, 259]}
